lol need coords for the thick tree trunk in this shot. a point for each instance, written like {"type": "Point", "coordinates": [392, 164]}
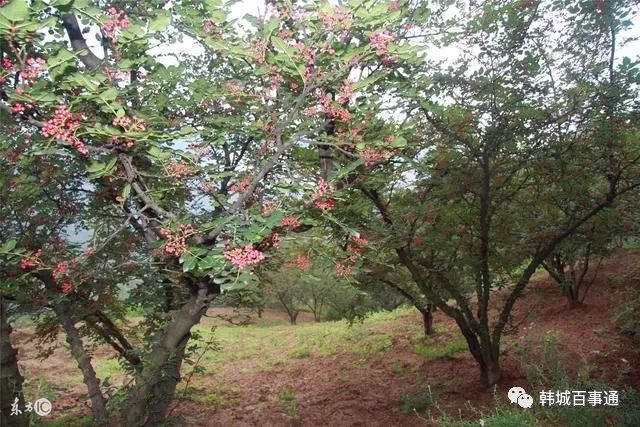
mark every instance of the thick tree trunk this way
{"type": "Point", "coordinates": [160, 401]}
{"type": "Point", "coordinates": [10, 378]}
{"type": "Point", "coordinates": [490, 372]}
{"type": "Point", "coordinates": [98, 403]}
{"type": "Point", "coordinates": [427, 319]}
{"type": "Point", "coordinates": [293, 317]}
{"type": "Point", "coordinates": [485, 354]}
{"type": "Point", "coordinates": [148, 402]}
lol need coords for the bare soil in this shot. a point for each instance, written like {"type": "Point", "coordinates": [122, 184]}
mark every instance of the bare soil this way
{"type": "Point", "coordinates": [345, 390]}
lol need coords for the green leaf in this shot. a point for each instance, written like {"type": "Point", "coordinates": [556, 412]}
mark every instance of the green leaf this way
{"type": "Point", "coordinates": [212, 262]}
{"type": "Point", "coordinates": [161, 22]}
{"type": "Point", "coordinates": [8, 246]}
{"type": "Point", "coordinates": [188, 261]}
{"type": "Point", "coordinates": [126, 191]}
{"type": "Point", "coordinates": [110, 94]}
{"type": "Point", "coordinates": [158, 154]}
{"type": "Point", "coordinates": [346, 170]}
{"type": "Point", "coordinates": [399, 142]}
{"type": "Point", "coordinates": [95, 167]}
{"type": "Point", "coordinates": [17, 10]}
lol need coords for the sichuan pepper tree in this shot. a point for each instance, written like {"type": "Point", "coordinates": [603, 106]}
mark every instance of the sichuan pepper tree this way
{"type": "Point", "coordinates": [193, 154]}
{"type": "Point", "coordinates": [512, 147]}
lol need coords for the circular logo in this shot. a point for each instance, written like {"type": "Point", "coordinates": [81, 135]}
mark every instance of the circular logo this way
{"type": "Point", "coordinates": [42, 407]}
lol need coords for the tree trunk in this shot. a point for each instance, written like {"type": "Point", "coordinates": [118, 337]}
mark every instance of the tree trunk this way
{"type": "Point", "coordinates": [148, 402]}
{"type": "Point", "coordinates": [159, 401]}
{"type": "Point", "coordinates": [485, 354]}
{"type": "Point", "coordinates": [490, 372]}
{"type": "Point", "coordinates": [98, 403]}
{"type": "Point", "coordinates": [427, 319]}
{"type": "Point", "coordinates": [293, 316]}
{"type": "Point", "coordinates": [574, 302]}
{"type": "Point", "coordinates": [10, 378]}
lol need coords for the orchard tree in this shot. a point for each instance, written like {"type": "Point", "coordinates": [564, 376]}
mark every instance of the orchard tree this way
{"type": "Point", "coordinates": [575, 263]}
{"type": "Point", "coordinates": [537, 109]}
{"type": "Point", "coordinates": [189, 155]}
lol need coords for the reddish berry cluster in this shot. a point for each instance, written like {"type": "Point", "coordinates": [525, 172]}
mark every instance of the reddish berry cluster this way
{"type": "Point", "coordinates": [322, 196]}
{"type": "Point", "coordinates": [343, 270]}
{"type": "Point", "coordinates": [290, 221]}
{"type": "Point", "coordinates": [373, 156]}
{"type": "Point", "coordinates": [303, 262]}
{"type": "Point", "coordinates": [178, 170]}
{"type": "Point", "coordinates": [176, 242]}
{"type": "Point", "coordinates": [380, 42]}
{"type": "Point", "coordinates": [63, 126]}
{"type": "Point", "coordinates": [242, 185]}
{"type": "Point", "coordinates": [31, 261]}
{"type": "Point", "coordinates": [35, 67]}
{"type": "Point", "coordinates": [346, 93]}
{"type": "Point", "coordinates": [117, 21]}
{"type": "Point", "coordinates": [242, 257]}
{"type": "Point", "coordinates": [268, 208]}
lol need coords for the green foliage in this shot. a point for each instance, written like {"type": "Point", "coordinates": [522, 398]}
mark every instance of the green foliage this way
{"type": "Point", "coordinates": [287, 399]}
{"type": "Point", "coordinates": [424, 400]}
{"type": "Point", "coordinates": [449, 350]}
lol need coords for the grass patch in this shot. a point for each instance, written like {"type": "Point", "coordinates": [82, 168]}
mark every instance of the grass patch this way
{"type": "Point", "coordinates": [288, 401]}
{"type": "Point", "coordinates": [431, 351]}
{"type": "Point", "coordinates": [418, 403]}
{"type": "Point", "coordinates": [301, 353]}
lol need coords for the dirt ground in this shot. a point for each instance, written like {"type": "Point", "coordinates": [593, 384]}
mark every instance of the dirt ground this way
{"type": "Point", "coordinates": [344, 389]}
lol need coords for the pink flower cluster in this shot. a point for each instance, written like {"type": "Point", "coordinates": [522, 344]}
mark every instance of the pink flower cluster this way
{"type": "Point", "coordinates": [178, 170]}
{"type": "Point", "coordinates": [63, 126]}
{"type": "Point", "coordinates": [176, 242]}
{"type": "Point", "coordinates": [117, 21]}
{"type": "Point", "coordinates": [242, 257]}
{"type": "Point", "coordinates": [31, 261]}
{"type": "Point", "coordinates": [35, 67]}
{"type": "Point", "coordinates": [114, 75]}
{"type": "Point", "coordinates": [322, 196]}
{"type": "Point", "coordinates": [290, 221]}
{"type": "Point", "coordinates": [380, 42]}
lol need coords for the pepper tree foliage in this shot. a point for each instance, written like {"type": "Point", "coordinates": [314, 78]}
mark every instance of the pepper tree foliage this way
{"type": "Point", "coordinates": [178, 179]}
{"type": "Point", "coordinates": [528, 137]}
